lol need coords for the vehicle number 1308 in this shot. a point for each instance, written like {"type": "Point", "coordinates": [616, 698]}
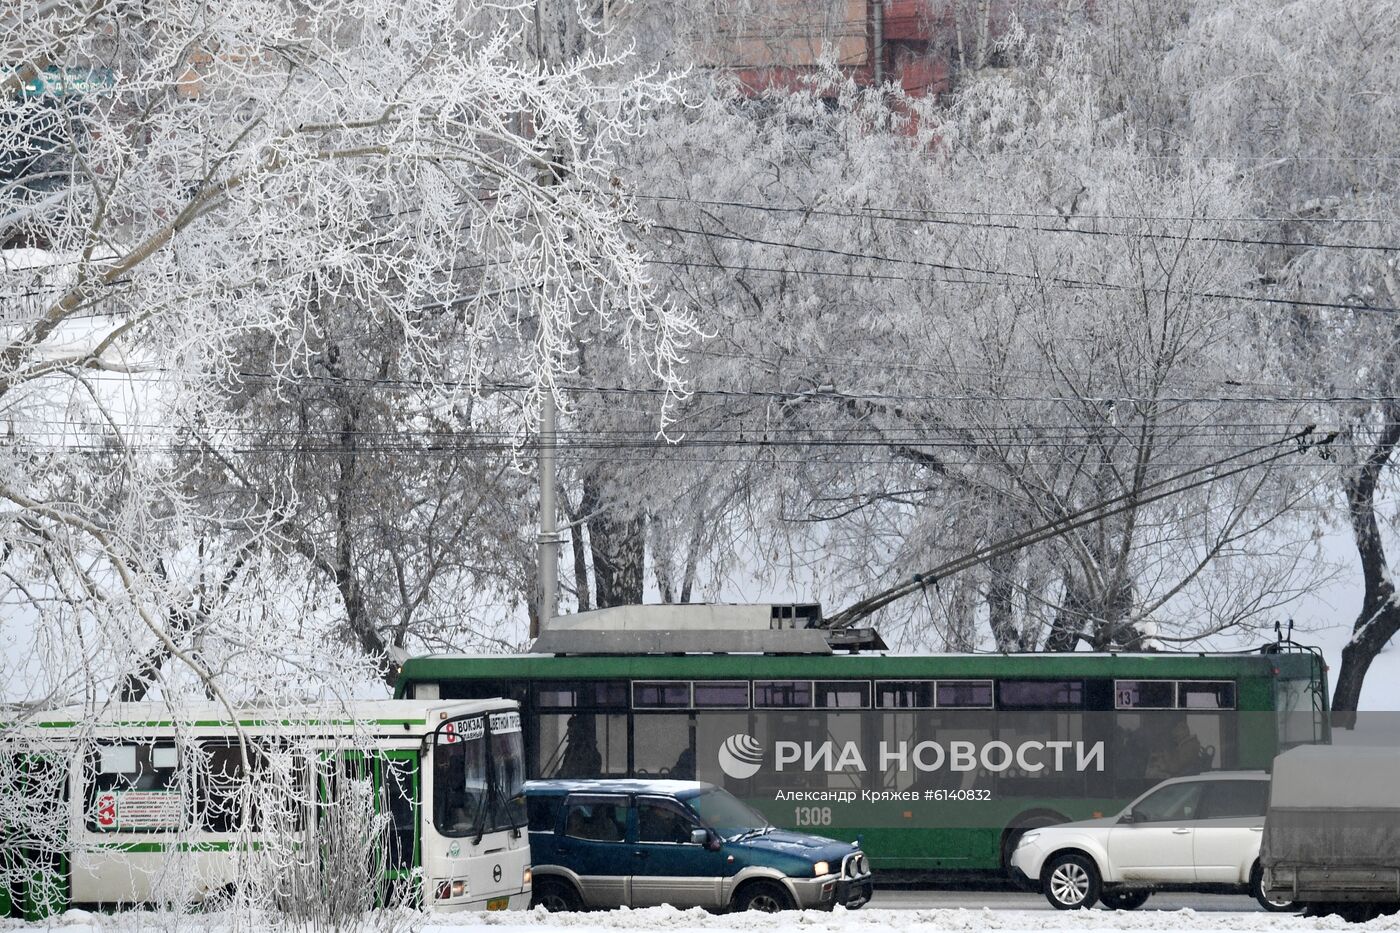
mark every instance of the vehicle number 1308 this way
{"type": "Point", "coordinates": [812, 816]}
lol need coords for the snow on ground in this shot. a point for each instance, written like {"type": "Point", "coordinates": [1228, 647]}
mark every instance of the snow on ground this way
{"type": "Point", "coordinates": [934, 920]}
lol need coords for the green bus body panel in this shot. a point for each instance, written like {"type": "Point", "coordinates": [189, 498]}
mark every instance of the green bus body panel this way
{"type": "Point", "coordinates": [1244, 667]}
{"type": "Point", "coordinates": [922, 848]}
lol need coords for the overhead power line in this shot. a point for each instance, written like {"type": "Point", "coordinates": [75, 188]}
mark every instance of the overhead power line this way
{"type": "Point", "coordinates": [947, 218]}
{"type": "Point", "coordinates": [1107, 508]}
{"type": "Point", "coordinates": [822, 393]}
{"type": "Point", "coordinates": [1029, 277]}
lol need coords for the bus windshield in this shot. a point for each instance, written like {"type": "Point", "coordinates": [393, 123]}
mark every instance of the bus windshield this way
{"type": "Point", "coordinates": [507, 806]}
{"type": "Point", "coordinates": [460, 776]}
{"type": "Point", "coordinates": [726, 814]}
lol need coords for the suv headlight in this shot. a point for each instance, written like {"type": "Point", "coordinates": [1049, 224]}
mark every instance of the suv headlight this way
{"type": "Point", "coordinates": [821, 868]}
{"type": "Point", "coordinates": [1027, 837]}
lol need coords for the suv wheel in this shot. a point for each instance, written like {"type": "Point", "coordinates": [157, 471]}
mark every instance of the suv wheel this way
{"type": "Point", "coordinates": [1071, 882]}
{"type": "Point", "coordinates": [1256, 889]}
{"type": "Point", "coordinates": [1124, 900]}
{"type": "Point", "coordinates": [554, 896]}
{"type": "Point", "coordinates": [765, 896]}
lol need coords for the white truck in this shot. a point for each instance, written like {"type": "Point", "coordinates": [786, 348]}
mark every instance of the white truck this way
{"type": "Point", "coordinates": [1332, 833]}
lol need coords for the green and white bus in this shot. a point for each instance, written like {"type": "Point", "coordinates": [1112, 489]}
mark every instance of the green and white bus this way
{"type": "Point", "coordinates": [381, 802]}
{"type": "Point", "coordinates": [936, 762]}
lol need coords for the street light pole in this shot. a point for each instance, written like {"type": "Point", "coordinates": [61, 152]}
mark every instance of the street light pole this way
{"type": "Point", "coordinates": [549, 528]}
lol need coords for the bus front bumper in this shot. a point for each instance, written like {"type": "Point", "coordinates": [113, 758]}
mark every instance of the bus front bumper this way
{"type": "Point", "coordinates": [517, 900]}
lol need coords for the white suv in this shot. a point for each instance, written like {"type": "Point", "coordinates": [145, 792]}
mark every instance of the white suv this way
{"type": "Point", "coordinates": [1195, 833]}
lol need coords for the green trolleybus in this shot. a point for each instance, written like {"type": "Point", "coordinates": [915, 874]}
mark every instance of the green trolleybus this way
{"type": "Point", "coordinates": [937, 763]}
{"type": "Point", "coordinates": [372, 803]}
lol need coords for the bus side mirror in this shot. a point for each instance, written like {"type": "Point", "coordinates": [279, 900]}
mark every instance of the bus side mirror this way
{"type": "Point", "coordinates": [699, 837]}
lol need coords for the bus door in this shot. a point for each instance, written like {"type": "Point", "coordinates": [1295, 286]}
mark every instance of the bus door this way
{"type": "Point", "coordinates": [34, 867]}
{"type": "Point", "coordinates": [398, 780]}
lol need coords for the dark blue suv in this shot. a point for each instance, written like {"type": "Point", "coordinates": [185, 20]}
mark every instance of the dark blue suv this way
{"type": "Point", "coordinates": [684, 843]}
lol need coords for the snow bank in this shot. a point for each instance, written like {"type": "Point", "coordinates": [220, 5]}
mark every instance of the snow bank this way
{"type": "Point", "coordinates": [934, 920]}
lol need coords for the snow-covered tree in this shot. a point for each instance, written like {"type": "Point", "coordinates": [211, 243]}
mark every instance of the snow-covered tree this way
{"type": "Point", "coordinates": [189, 186]}
{"type": "Point", "coordinates": [933, 331]}
{"type": "Point", "coordinates": [1298, 98]}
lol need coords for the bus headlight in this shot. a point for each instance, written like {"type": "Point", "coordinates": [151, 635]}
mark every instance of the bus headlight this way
{"type": "Point", "coordinates": [821, 868]}
{"type": "Point", "coordinates": [446, 890]}
{"type": "Point", "coordinates": [526, 877]}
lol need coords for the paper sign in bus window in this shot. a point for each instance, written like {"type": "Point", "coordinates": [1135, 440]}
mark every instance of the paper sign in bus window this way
{"type": "Point", "coordinates": [138, 810]}
{"type": "Point", "coordinates": [117, 759]}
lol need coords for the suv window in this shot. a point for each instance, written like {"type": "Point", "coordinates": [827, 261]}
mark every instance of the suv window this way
{"type": "Point", "coordinates": [601, 820]}
{"type": "Point", "coordinates": [542, 811]}
{"type": "Point", "coordinates": [662, 820]}
{"type": "Point", "coordinates": [1170, 804]}
{"type": "Point", "coordinates": [1226, 800]}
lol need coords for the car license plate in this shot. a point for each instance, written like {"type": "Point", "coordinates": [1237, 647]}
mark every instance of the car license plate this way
{"type": "Point", "coordinates": [498, 903]}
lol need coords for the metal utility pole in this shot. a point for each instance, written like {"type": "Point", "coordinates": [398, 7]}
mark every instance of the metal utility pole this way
{"type": "Point", "coordinates": [549, 530]}
{"type": "Point", "coordinates": [877, 40]}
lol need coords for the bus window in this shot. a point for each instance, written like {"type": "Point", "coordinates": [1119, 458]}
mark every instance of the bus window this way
{"type": "Point", "coordinates": [570, 694]}
{"type": "Point", "coordinates": [965, 694]}
{"type": "Point", "coordinates": [662, 746]}
{"type": "Point", "coordinates": [136, 787]}
{"type": "Point", "coordinates": [841, 694]}
{"type": "Point", "coordinates": [581, 745]}
{"type": "Point", "coordinates": [661, 695]}
{"type": "Point", "coordinates": [507, 809]}
{"type": "Point", "coordinates": [1207, 695]}
{"type": "Point", "coordinates": [782, 694]}
{"type": "Point", "coordinates": [904, 694]}
{"type": "Point", "coordinates": [1144, 694]}
{"type": "Point", "coordinates": [459, 777]}
{"type": "Point", "coordinates": [1181, 744]}
{"type": "Point", "coordinates": [1041, 777]}
{"type": "Point", "coordinates": [402, 798]}
{"type": "Point", "coordinates": [721, 694]}
{"type": "Point", "coordinates": [1040, 694]}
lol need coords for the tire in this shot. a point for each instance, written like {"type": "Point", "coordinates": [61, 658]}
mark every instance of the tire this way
{"type": "Point", "coordinates": [1256, 890]}
{"type": "Point", "coordinates": [1071, 882]}
{"type": "Point", "coordinates": [555, 896]}
{"type": "Point", "coordinates": [1124, 900]}
{"type": "Point", "coordinates": [763, 896]}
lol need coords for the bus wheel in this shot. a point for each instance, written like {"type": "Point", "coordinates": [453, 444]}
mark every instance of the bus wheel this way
{"type": "Point", "coordinates": [554, 896]}
{"type": "Point", "coordinates": [1071, 882]}
{"type": "Point", "coordinates": [1011, 838]}
{"type": "Point", "coordinates": [763, 896]}
{"type": "Point", "coordinates": [1256, 889]}
{"type": "Point", "coordinates": [1124, 900]}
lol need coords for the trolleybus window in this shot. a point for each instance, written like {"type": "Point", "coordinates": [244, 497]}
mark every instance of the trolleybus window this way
{"type": "Point", "coordinates": [722, 694]}
{"type": "Point", "coordinates": [1207, 695]}
{"type": "Point", "coordinates": [1040, 694]}
{"type": "Point", "coordinates": [782, 694]}
{"type": "Point", "coordinates": [565, 695]}
{"type": "Point", "coordinates": [842, 694]}
{"type": "Point", "coordinates": [661, 695]}
{"type": "Point", "coordinates": [661, 746]}
{"type": "Point", "coordinates": [965, 694]}
{"type": "Point", "coordinates": [1144, 694]}
{"type": "Point", "coordinates": [904, 694]}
